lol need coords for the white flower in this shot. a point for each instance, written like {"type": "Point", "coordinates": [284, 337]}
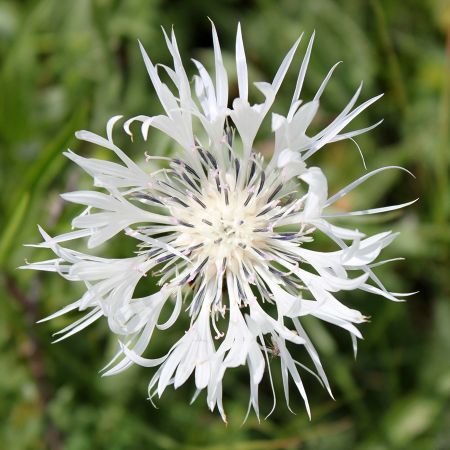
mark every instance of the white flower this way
{"type": "Point", "coordinates": [229, 237]}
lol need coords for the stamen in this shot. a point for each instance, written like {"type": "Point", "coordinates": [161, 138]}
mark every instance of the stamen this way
{"type": "Point", "coordinates": [177, 200]}
{"type": "Point", "coordinates": [153, 252]}
{"type": "Point", "coordinates": [200, 267]}
{"type": "Point", "coordinates": [250, 195]}
{"type": "Point", "coordinates": [203, 156]}
{"type": "Point", "coordinates": [164, 258]}
{"type": "Point", "coordinates": [241, 293]}
{"type": "Point", "coordinates": [286, 236]}
{"type": "Point", "coordinates": [263, 180]}
{"type": "Point", "coordinates": [265, 211]}
{"type": "Point", "coordinates": [146, 198]}
{"type": "Point", "coordinates": [274, 193]}
{"type": "Point", "coordinates": [195, 247]}
{"type": "Point", "coordinates": [190, 182]}
{"type": "Point", "coordinates": [229, 136]}
{"type": "Point", "coordinates": [216, 177]}
{"type": "Point", "coordinates": [252, 172]}
{"type": "Point", "coordinates": [194, 307]}
{"type": "Point", "coordinates": [185, 224]}
{"type": "Point", "coordinates": [276, 271]}
{"type": "Point", "coordinates": [191, 170]}
{"type": "Point", "coordinates": [195, 198]}
{"type": "Point", "coordinates": [187, 167]}
{"type": "Point", "coordinates": [212, 159]}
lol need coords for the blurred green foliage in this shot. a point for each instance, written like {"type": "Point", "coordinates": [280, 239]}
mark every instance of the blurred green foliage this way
{"type": "Point", "coordinates": [69, 65]}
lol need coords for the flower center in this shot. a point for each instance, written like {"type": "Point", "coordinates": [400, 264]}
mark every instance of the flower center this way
{"type": "Point", "coordinates": [223, 224]}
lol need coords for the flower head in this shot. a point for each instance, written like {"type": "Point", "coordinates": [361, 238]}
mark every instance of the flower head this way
{"type": "Point", "coordinates": [228, 235]}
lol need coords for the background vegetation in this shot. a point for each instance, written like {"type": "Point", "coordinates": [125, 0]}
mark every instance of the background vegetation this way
{"type": "Point", "coordinates": [69, 65]}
